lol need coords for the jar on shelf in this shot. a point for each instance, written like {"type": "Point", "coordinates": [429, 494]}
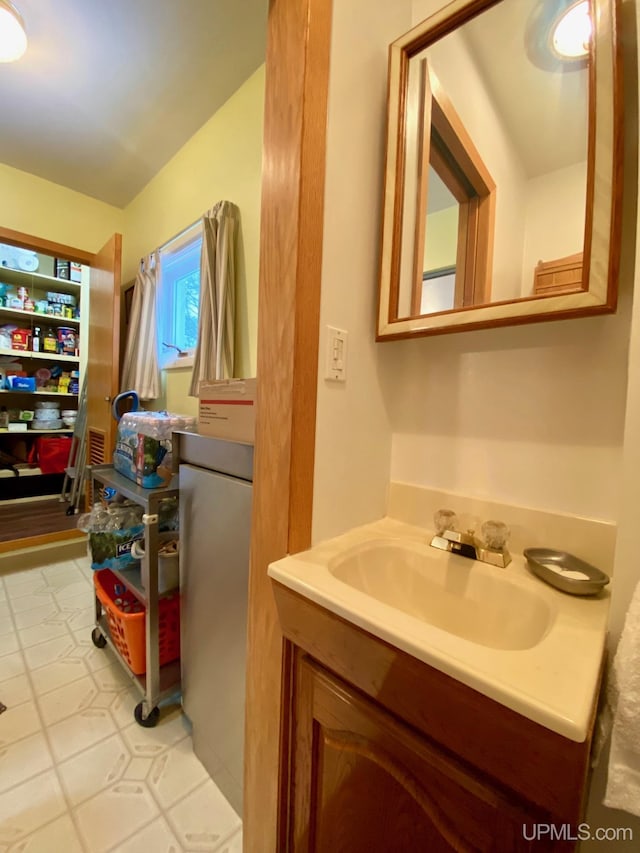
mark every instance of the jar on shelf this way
{"type": "Point", "coordinates": [49, 342]}
{"type": "Point", "coordinates": [36, 339]}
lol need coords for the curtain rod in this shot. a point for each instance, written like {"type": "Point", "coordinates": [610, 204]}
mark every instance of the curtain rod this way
{"type": "Point", "coordinates": [179, 235]}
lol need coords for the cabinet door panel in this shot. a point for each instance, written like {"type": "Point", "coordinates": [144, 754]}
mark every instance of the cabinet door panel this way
{"type": "Point", "coordinates": [364, 782]}
{"type": "Point", "coordinates": [103, 351]}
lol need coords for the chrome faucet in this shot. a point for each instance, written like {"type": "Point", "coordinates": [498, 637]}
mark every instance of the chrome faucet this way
{"type": "Point", "coordinates": [491, 549]}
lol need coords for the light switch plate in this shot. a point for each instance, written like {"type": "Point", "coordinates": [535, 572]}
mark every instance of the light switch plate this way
{"type": "Point", "coordinates": [336, 363]}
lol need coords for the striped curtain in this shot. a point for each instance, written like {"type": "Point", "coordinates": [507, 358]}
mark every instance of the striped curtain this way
{"type": "Point", "coordinates": [213, 357]}
{"type": "Point", "coordinates": [140, 370]}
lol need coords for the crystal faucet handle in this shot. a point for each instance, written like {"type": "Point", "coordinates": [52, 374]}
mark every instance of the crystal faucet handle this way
{"type": "Point", "coordinates": [495, 534]}
{"type": "Point", "coordinates": [444, 519]}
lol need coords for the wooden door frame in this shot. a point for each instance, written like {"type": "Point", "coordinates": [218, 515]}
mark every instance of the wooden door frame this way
{"type": "Point", "coordinates": [297, 74]}
{"type": "Point", "coordinates": [47, 247]}
{"type": "Point", "coordinates": [458, 163]}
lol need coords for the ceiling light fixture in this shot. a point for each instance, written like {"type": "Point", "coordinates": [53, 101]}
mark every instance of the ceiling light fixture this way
{"type": "Point", "coordinates": [13, 38]}
{"type": "Point", "coordinates": [558, 35]}
{"type": "Point", "coordinates": [571, 34]}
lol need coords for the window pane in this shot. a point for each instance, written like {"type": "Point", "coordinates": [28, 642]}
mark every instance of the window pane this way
{"type": "Point", "coordinates": [187, 290]}
{"type": "Point", "coordinates": [180, 298]}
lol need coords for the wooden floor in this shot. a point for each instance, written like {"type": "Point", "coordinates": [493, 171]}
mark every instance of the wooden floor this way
{"type": "Point", "coordinates": [33, 518]}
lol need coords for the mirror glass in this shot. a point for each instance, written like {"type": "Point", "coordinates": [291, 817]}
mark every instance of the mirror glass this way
{"type": "Point", "coordinates": [493, 186]}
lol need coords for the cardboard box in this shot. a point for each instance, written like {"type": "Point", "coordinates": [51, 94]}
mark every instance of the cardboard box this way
{"type": "Point", "coordinates": [22, 383]}
{"type": "Point", "coordinates": [228, 409]}
{"type": "Point", "coordinates": [20, 339]}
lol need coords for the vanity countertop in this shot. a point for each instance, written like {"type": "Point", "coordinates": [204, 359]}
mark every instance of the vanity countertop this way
{"type": "Point", "coordinates": [538, 651]}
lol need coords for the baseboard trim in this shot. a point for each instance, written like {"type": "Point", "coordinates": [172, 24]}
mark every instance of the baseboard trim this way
{"type": "Point", "coordinates": [34, 555]}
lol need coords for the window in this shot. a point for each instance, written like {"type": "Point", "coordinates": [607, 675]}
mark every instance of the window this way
{"type": "Point", "coordinates": [179, 297]}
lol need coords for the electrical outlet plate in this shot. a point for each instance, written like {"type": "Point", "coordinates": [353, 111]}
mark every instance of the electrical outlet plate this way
{"type": "Point", "coordinates": [336, 363]}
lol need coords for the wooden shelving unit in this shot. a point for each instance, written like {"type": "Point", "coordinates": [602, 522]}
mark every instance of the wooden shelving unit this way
{"type": "Point", "coordinates": [39, 288]}
{"type": "Point", "coordinates": [41, 394]}
{"type": "Point", "coordinates": [40, 356]}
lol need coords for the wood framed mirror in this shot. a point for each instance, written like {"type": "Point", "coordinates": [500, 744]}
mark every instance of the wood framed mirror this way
{"type": "Point", "coordinates": [503, 177]}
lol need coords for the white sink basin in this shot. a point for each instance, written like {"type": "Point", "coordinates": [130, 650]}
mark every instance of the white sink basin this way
{"type": "Point", "coordinates": [457, 595]}
{"type": "Point", "coordinates": [502, 632]}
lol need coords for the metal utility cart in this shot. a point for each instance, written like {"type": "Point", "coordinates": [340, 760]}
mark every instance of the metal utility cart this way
{"type": "Point", "coordinates": [159, 682]}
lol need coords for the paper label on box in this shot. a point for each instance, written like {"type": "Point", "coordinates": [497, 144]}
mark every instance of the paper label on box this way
{"type": "Point", "coordinates": [216, 408]}
{"type": "Point", "coordinates": [227, 409]}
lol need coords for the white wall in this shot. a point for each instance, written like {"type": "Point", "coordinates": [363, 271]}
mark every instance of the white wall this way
{"type": "Point", "coordinates": [532, 415]}
{"type": "Point", "coordinates": [353, 437]}
{"type": "Point", "coordinates": [548, 237]}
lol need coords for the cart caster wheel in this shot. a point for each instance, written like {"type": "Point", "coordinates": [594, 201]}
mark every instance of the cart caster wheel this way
{"type": "Point", "coordinates": [98, 639]}
{"type": "Point", "coordinates": [148, 722]}
{"type": "Point", "coordinates": [70, 510]}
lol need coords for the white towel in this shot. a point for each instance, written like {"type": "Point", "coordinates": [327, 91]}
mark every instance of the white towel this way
{"type": "Point", "coordinates": [623, 782]}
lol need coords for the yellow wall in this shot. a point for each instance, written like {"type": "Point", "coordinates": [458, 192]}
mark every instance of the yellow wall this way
{"type": "Point", "coordinates": [441, 239]}
{"type": "Point", "coordinates": [53, 212]}
{"type": "Point", "coordinates": [175, 386]}
{"type": "Point", "coordinates": [223, 160]}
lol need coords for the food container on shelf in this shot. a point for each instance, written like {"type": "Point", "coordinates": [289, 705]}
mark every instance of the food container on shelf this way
{"type": "Point", "coordinates": [67, 340]}
{"type": "Point", "coordinates": [42, 376]}
{"type": "Point", "coordinates": [21, 383]}
{"type": "Point", "coordinates": [69, 417]}
{"type": "Point", "coordinates": [53, 423]}
{"type": "Point", "coordinates": [25, 415]}
{"type": "Point", "coordinates": [21, 339]}
{"type": "Point", "coordinates": [47, 404]}
{"type": "Point", "coordinates": [47, 414]}
{"type": "Point", "coordinates": [49, 342]}
{"type": "Point", "coordinates": [61, 298]}
{"type": "Point", "coordinates": [5, 337]}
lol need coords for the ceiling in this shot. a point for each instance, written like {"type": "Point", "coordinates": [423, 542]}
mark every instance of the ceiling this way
{"type": "Point", "coordinates": [110, 90]}
{"type": "Point", "coordinates": [544, 113]}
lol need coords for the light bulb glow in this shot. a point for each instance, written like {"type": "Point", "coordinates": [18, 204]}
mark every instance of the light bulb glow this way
{"type": "Point", "coordinates": [572, 34]}
{"type": "Point", "coordinates": [13, 39]}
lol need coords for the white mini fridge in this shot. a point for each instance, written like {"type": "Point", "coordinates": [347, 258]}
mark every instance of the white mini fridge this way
{"type": "Point", "coordinates": [215, 526]}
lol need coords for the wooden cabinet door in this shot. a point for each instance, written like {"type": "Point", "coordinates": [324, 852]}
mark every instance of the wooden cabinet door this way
{"type": "Point", "coordinates": [363, 782]}
{"type": "Point", "coordinates": [104, 348]}
{"type": "Point", "coordinates": [563, 275]}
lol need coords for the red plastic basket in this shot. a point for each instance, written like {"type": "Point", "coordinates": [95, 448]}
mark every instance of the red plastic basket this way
{"type": "Point", "coordinates": [128, 629]}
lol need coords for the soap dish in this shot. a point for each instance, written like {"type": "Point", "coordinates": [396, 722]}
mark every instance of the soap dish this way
{"type": "Point", "coordinates": [565, 572]}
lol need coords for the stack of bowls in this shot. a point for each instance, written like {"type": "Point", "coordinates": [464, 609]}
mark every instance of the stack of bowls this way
{"type": "Point", "coordinates": [47, 416]}
{"type": "Point", "coordinates": [69, 418]}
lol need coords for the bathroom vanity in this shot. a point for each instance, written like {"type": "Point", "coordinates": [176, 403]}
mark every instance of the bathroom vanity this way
{"type": "Point", "coordinates": [406, 749]}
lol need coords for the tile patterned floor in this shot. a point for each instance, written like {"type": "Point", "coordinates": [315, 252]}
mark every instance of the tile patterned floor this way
{"type": "Point", "coordinates": [77, 774]}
